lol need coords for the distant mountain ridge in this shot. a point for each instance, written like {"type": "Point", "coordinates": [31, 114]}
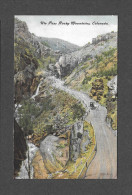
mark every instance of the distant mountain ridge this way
{"type": "Point", "coordinates": [54, 44]}
{"type": "Point", "coordinates": [60, 45]}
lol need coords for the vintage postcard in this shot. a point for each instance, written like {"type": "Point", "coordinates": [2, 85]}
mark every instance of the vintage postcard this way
{"type": "Point", "coordinates": [65, 97]}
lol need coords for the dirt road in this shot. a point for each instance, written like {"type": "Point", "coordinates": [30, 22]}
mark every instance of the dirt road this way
{"type": "Point", "coordinates": [104, 165]}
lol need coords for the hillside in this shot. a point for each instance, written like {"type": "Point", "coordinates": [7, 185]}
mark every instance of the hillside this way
{"type": "Point", "coordinates": [41, 111]}
{"type": "Point", "coordinates": [53, 93]}
{"type": "Point", "coordinates": [93, 76]}
{"type": "Point", "coordinates": [30, 56]}
{"type": "Point", "coordinates": [59, 45]}
{"type": "Point", "coordinates": [68, 62]}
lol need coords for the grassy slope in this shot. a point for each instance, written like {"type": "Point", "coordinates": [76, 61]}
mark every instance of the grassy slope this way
{"type": "Point", "coordinates": [72, 170]}
{"type": "Point", "coordinates": [75, 170]}
{"type": "Point", "coordinates": [25, 54]}
{"type": "Point", "coordinates": [56, 110]}
{"type": "Point", "coordinates": [87, 74]}
{"type": "Point", "coordinates": [59, 111]}
{"type": "Point", "coordinates": [55, 104]}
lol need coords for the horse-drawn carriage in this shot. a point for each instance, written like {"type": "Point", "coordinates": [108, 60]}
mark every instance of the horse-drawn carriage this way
{"type": "Point", "coordinates": [93, 106]}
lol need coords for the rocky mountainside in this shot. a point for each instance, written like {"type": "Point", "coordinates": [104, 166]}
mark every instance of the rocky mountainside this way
{"type": "Point", "coordinates": [54, 115]}
{"type": "Point", "coordinates": [59, 45]}
{"type": "Point", "coordinates": [20, 147]}
{"type": "Point", "coordinates": [30, 55]}
{"type": "Point", "coordinates": [21, 31]}
{"type": "Point", "coordinates": [68, 62]}
{"type": "Point", "coordinates": [96, 75]}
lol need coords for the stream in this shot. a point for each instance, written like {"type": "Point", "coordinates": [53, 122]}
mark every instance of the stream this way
{"type": "Point", "coordinates": [26, 167]}
{"type": "Point", "coordinates": [104, 165]}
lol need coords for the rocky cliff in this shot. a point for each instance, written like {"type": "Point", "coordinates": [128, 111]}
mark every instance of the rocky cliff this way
{"type": "Point", "coordinates": [30, 55]}
{"type": "Point", "coordinates": [53, 116]}
{"type": "Point", "coordinates": [20, 148]}
{"type": "Point", "coordinates": [21, 31]}
{"type": "Point", "coordinates": [79, 140]}
{"type": "Point", "coordinates": [25, 62]}
{"type": "Point", "coordinates": [112, 103]}
{"type": "Point", "coordinates": [68, 62]}
{"type": "Point", "coordinates": [55, 152]}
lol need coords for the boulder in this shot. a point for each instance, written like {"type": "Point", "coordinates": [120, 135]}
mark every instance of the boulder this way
{"type": "Point", "coordinates": [112, 84]}
{"type": "Point", "coordinates": [62, 61]}
{"type": "Point", "coordinates": [55, 152]}
{"type": "Point", "coordinates": [51, 67]}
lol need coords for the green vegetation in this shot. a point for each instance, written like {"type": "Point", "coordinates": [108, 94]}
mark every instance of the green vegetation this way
{"type": "Point", "coordinates": [85, 81]}
{"type": "Point", "coordinates": [58, 110]}
{"type": "Point", "coordinates": [45, 61]}
{"type": "Point", "coordinates": [75, 170]}
{"type": "Point", "coordinates": [28, 111]}
{"type": "Point", "coordinates": [113, 116]}
{"type": "Point", "coordinates": [51, 113]}
{"type": "Point", "coordinates": [93, 78]}
{"type": "Point", "coordinates": [25, 54]}
{"type": "Point", "coordinates": [45, 43]}
{"type": "Point", "coordinates": [112, 110]}
{"type": "Point", "coordinates": [99, 90]}
{"type": "Point", "coordinates": [103, 65]}
{"type": "Point", "coordinates": [78, 112]}
{"type": "Point", "coordinates": [61, 145]}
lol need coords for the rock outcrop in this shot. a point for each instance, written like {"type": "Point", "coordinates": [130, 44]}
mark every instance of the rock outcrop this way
{"type": "Point", "coordinates": [68, 62]}
{"type": "Point", "coordinates": [75, 140]}
{"type": "Point", "coordinates": [104, 37]}
{"type": "Point", "coordinates": [25, 83]}
{"type": "Point", "coordinates": [112, 84]}
{"type": "Point", "coordinates": [112, 103]}
{"type": "Point", "coordinates": [79, 141]}
{"type": "Point", "coordinates": [21, 31]}
{"type": "Point", "coordinates": [28, 53]}
{"type": "Point", "coordinates": [55, 153]}
{"type": "Point", "coordinates": [20, 148]}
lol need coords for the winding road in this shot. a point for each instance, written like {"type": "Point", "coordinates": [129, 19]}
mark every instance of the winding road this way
{"type": "Point", "coordinates": [104, 164]}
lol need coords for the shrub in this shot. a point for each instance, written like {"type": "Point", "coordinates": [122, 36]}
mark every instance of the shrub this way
{"type": "Point", "coordinates": [27, 112]}
{"type": "Point", "coordinates": [78, 111]}
{"type": "Point", "coordinates": [85, 81]}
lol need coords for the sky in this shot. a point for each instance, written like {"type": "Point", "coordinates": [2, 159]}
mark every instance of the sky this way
{"type": "Point", "coordinates": [78, 34]}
